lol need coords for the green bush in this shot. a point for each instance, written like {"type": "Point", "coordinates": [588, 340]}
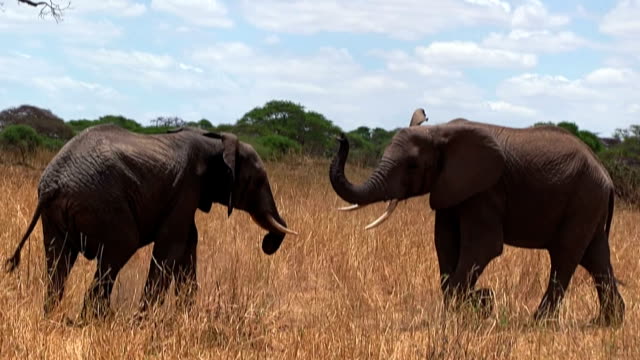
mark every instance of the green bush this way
{"type": "Point", "coordinates": [274, 146]}
{"type": "Point", "coordinates": [21, 138]}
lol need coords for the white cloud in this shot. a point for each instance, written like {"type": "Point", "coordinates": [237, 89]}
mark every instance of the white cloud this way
{"type": "Point", "coordinates": [596, 101]}
{"type": "Point", "coordinates": [404, 19]}
{"type": "Point", "coordinates": [127, 58]}
{"type": "Point", "coordinates": [541, 41]}
{"type": "Point", "coordinates": [534, 15]}
{"type": "Point", "coordinates": [622, 20]}
{"type": "Point", "coordinates": [469, 54]}
{"type": "Point", "coordinates": [210, 13]}
{"type": "Point", "coordinates": [548, 86]}
{"type": "Point", "coordinates": [612, 77]}
{"type": "Point", "coordinates": [505, 107]}
{"type": "Point", "coordinates": [190, 68]}
{"type": "Point", "coordinates": [57, 84]}
{"type": "Point", "coordinates": [112, 7]}
{"type": "Point", "coordinates": [145, 70]}
{"type": "Point", "coordinates": [492, 3]}
{"type": "Point", "coordinates": [272, 40]}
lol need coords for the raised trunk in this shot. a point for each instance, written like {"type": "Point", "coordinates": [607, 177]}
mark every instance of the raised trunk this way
{"type": "Point", "coordinates": [372, 190]}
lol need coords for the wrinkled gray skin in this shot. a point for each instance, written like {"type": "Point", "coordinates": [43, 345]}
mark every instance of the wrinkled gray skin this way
{"type": "Point", "coordinates": [538, 188]}
{"type": "Point", "coordinates": [109, 192]}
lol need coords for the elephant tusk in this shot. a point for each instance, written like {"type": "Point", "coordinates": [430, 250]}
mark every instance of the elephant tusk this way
{"type": "Point", "coordinates": [278, 226]}
{"type": "Point", "coordinates": [351, 207]}
{"type": "Point", "coordinates": [392, 206]}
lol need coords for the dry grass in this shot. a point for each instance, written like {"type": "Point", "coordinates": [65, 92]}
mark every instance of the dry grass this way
{"type": "Point", "coordinates": [333, 292]}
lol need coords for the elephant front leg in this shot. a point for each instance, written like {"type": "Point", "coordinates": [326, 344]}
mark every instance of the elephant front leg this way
{"type": "Point", "coordinates": [480, 241]}
{"type": "Point", "coordinates": [447, 243]}
{"type": "Point", "coordinates": [186, 285]}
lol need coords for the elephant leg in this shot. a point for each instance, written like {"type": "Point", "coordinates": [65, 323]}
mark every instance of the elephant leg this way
{"type": "Point", "coordinates": [565, 254]}
{"type": "Point", "coordinates": [98, 298]}
{"type": "Point", "coordinates": [165, 258]}
{"type": "Point", "coordinates": [481, 240]}
{"type": "Point", "coordinates": [186, 284]}
{"type": "Point", "coordinates": [447, 243]}
{"type": "Point", "coordinates": [60, 256]}
{"type": "Point", "coordinates": [597, 261]}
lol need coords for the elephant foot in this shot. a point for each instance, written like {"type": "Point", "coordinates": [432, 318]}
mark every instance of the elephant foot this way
{"type": "Point", "coordinates": [77, 323]}
{"type": "Point", "coordinates": [484, 301]}
{"type": "Point", "coordinates": [608, 319]}
{"type": "Point", "coordinates": [95, 310]}
{"type": "Point", "coordinates": [481, 301]}
{"type": "Point", "coordinates": [545, 316]}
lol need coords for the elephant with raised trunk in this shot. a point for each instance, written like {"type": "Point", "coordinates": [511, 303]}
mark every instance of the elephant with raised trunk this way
{"type": "Point", "coordinates": [537, 188]}
{"type": "Point", "coordinates": [109, 192]}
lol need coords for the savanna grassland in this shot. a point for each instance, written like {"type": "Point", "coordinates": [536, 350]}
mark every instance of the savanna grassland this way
{"type": "Point", "coordinates": [334, 292]}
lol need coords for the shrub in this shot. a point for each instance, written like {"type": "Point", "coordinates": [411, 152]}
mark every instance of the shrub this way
{"type": "Point", "coordinates": [21, 138]}
{"type": "Point", "coordinates": [274, 146]}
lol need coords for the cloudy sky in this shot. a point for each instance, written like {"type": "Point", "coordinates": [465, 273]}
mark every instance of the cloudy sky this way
{"type": "Point", "coordinates": [359, 62]}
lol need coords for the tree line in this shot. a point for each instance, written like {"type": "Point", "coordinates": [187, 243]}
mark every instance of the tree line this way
{"type": "Point", "coordinates": [282, 127]}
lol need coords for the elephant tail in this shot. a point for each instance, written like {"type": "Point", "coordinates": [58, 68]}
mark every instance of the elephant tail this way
{"type": "Point", "coordinates": [612, 197]}
{"type": "Point", "coordinates": [14, 261]}
{"type": "Point", "coordinates": [607, 229]}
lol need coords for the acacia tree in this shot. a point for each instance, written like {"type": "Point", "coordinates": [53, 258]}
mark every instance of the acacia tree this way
{"type": "Point", "coordinates": [47, 8]}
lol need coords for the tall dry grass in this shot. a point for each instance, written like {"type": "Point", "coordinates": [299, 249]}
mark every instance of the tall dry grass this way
{"type": "Point", "coordinates": [334, 292]}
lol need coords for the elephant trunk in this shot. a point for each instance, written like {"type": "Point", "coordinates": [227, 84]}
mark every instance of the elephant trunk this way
{"type": "Point", "coordinates": [269, 219]}
{"type": "Point", "coordinates": [374, 189]}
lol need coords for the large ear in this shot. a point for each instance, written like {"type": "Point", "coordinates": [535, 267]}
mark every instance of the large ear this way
{"type": "Point", "coordinates": [471, 161]}
{"type": "Point", "coordinates": [418, 117]}
{"type": "Point", "coordinates": [229, 154]}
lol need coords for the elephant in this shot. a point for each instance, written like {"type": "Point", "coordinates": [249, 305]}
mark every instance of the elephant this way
{"type": "Point", "coordinates": [109, 192]}
{"type": "Point", "coordinates": [489, 185]}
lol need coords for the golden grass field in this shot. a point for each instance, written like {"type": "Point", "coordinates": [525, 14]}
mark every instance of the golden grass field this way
{"type": "Point", "coordinates": [334, 292]}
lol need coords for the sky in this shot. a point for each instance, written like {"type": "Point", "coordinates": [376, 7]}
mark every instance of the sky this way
{"type": "Point", "coordinates": [358, 62]}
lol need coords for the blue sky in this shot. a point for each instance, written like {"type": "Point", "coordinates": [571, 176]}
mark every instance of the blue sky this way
{"type": "Point", "coordinates": [359, 62]}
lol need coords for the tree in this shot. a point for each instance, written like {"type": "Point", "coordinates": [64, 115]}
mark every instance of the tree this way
{"type": "Point", "coordinates": [47, 8]}
{"type": "Point", "coordinates": [43, 121]}
{"type": "Point", "coordinates": [22, 138]}
{"type": "Point", "coordinates": [592, 140]}
{"type": "Point", "coordinates": [205, 124]}
{"type": "Point", "coordinates": [168, 122]}
{"type": "Point", "coordinates": [312, 131]}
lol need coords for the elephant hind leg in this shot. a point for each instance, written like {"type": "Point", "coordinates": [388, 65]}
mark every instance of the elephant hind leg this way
{"type": "Point", "coordinates": [565, 253]}
{"type": "Point", "coordinates": [60, 255]}
{"type": "Point", "coordinates": [97, 300]}
{"type": "Point", "coordinates": [597, 262]}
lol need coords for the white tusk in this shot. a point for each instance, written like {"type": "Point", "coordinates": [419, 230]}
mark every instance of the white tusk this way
{"type": "Point", "coordinates": [392, 206]}
{"type": "Point", "coordinates": [278, 226]}
{"type": "Point", "coordinates": [351, 207]}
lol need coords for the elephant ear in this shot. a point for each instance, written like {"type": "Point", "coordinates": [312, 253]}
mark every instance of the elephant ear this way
{"type": "Point", "coordinates": [471, 161]}
{"type": "Point", "coordinates": [418, 117]}
{"type": "Point", "coordinates": [229, 154]}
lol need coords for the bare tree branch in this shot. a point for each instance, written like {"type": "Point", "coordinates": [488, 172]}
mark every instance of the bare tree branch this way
{"type": "Point", "coordinates": [48, 8]}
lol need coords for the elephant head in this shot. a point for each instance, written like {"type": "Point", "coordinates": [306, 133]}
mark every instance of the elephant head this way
{"type": "Point", "coordinates": [452, 162]}
{"type": "Point", "coordinates": [245, 187]}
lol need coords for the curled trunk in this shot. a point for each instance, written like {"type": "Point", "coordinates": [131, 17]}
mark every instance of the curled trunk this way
{"type": "Point", "coordinates": [372, 190]}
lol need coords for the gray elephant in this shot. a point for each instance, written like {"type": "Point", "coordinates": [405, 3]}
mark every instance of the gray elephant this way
{"type": "Point", "coordinates": [109, 192]}
{"type": "Point", "coordinates": [537, 188]}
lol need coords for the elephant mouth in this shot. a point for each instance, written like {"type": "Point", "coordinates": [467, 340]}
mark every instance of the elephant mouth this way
{"type": "Point", "coordinates": [387, 213]}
